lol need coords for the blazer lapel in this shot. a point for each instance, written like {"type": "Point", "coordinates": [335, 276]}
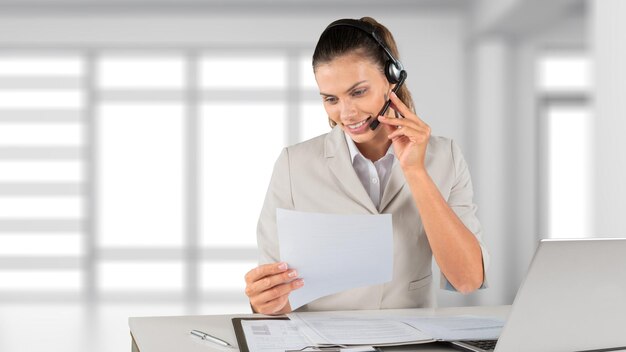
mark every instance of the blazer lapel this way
{"type": "Point", "coordinates": [394, 185]}
{"type": "Point", "coordinates": [340, 164]}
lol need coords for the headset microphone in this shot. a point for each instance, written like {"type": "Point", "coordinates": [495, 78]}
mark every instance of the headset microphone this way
{"type": "Point", "coordinates": [395, 89]}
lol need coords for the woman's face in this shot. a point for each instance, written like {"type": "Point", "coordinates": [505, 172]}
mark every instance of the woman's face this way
{"type": "Point", "coordinates": [353, 91]}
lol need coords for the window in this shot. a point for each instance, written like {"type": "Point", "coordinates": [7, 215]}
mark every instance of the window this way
{"type": "Point", "coordinates": [42, 174]}
{"type": "Point", "coordinates": [127, 174]}
{"type": "Point", "coordinates": [569, 173]}
{"type": "Point", "coordinates": [564, 83]}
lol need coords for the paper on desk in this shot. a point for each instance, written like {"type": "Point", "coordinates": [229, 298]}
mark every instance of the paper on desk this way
{"type": "Point", "coordinates": [273, 335]}
{"type": "Point", "coordinates": [458, 327]}
{"type": "Point", "coordinates": [332, 329]}
{"type": "Point", "coordinates": [333, 253]}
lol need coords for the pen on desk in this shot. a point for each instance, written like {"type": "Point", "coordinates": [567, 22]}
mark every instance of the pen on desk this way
{"type": "Point", "coordinates": [205, 336]}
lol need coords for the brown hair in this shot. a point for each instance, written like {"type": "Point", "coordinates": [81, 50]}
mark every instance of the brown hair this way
{"type": "Point", "coordinates": [341, 40]}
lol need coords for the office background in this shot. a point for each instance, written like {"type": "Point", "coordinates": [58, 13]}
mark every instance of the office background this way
{"type": "Point", "coordinates": [137, 139]}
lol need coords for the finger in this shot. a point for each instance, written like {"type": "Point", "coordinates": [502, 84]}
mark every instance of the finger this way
{"type": "Point", "coordinates": [274, 305]}
{"type": "Point", "coordinates": [270, 281]}
{"type": "Point", "coordinates": [418, 136]}
{"type": "Point", "coordinates": [400, 133]}
{"type": "Point", "coordinates": [398, 105]}
{"type": "Point", "coordinates": [276, 292]}
{"type": "Point", "coordinates": [398, 122]}
{"type": "Point", "coordinates": [389, 128]}
{"type": "Point", "coordinates": [262, 271]}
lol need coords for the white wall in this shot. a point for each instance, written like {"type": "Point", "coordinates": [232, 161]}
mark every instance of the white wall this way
{"type": "Point", "coordinates": [488, 12]}
{"type": "Point", "coordinates": [491, 119]}
{"type": "Point", "coordinates": [505, 130]}
{"type": "Point", "coordinates": [430, 44]}
{"type": "Point", "coordinates": [609, 53]}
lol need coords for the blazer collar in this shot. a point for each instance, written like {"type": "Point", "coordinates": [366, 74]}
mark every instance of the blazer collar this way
{"type": "Point", "coordinates": [340, 163]}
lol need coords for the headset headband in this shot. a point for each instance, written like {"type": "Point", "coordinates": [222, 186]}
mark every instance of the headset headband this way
{"type": "Point", "coordinates": [369, 29]}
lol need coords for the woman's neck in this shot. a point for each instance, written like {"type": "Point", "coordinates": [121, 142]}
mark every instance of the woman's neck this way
{"type": "Point", "coordinates": [375, 148]}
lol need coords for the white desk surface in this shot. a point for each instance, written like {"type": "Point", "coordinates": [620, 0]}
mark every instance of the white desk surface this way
{"type": "Point", "coordinates": [166, 334]}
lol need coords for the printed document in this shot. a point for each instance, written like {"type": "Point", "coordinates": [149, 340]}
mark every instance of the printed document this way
{"type": "Point", "coordinates": [458, 327]}
{"type": "Point", "coordinates": [272, 335]}
{"type": "Point", "coordinates": [325, 329]}
{"type": "Point", "coordinates": [333, 253]}
{"type": "Point", "coordinates": [331, 330]}
{"type": "Point", "coordinates": [361, 328]}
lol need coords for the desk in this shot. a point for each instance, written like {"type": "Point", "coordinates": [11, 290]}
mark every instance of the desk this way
{"type": "Point", "coordinates": [166, 334]}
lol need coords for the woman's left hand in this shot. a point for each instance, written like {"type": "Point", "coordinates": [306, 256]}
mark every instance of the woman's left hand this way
{"type": "Point", "coordinates": [409, 136]}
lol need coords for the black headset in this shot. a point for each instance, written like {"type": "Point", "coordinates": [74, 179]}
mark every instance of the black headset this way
{"type": "Point", "coordinates": [393, 68]}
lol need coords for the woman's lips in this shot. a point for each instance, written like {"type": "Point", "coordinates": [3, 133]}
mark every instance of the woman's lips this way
{"type": "Point", "coordinates": [359, 127]}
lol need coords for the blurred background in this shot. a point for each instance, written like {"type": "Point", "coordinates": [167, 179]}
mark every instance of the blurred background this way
{"type": "Point", "coordinates": [137, 138]}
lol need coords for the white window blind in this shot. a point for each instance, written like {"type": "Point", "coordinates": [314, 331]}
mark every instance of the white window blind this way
{"type": "Point", "coordinates": [141, 173]}
{"type": "Point", "coordinates": [42, 145]}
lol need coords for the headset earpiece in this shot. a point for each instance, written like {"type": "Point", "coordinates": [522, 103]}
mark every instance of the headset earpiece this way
{"type": "Point", "coordinates": [392, 72]}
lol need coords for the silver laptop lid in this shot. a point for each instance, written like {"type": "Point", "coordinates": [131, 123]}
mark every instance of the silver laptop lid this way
{"type": "Point", "coordinates": [572, 299]}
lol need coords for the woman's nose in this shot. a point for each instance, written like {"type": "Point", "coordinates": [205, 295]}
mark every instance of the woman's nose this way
{"type": "Point", "coordinates": [347, 108]}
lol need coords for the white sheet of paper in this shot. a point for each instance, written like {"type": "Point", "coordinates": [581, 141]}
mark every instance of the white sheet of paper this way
{"type": "Point", "coordinates": [356, 330]}
{"type": "Point", "coordinates": [458, 327]}
{"type": "Point", "coordinates": [273, 335]}
{"type": "Point", "coordinates": [333, 253]}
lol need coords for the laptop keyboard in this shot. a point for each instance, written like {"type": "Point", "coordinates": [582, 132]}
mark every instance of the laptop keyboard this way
{"type": "Point", "coordinates": [487, 345]}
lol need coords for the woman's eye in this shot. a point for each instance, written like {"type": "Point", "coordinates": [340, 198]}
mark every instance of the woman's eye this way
{"type": "Point", "coordinates": [359, 92]}
{"type": "Point", "coordinates": [331, 100]}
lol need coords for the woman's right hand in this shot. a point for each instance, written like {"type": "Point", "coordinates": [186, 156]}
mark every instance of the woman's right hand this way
{"type": "Point", "coordinates": [268, 287]}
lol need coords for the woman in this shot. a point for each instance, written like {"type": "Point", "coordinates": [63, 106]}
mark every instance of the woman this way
{"type": "Point", "coordinates": [396, 168]}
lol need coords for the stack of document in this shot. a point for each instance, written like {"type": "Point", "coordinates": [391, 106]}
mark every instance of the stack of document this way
{"type": "Point", "coordinates": [325, 329]}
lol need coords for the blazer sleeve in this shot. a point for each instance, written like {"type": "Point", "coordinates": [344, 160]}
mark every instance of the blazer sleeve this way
{"type": "Point", "coordinates": [278, 196]}
{"type": "Point", "coordinates": [461, 202]}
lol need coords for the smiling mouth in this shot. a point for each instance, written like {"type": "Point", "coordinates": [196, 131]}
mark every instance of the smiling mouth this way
{"type": "Point", "coordinates": [358, 124]}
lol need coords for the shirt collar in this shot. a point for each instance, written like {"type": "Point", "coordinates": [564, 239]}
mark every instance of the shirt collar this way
{"type": "Point", "coordinates": [354, 151]}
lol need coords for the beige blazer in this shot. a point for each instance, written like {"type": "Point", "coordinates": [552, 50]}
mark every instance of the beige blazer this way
{"type": "Point", "coordinates": [317, 176]}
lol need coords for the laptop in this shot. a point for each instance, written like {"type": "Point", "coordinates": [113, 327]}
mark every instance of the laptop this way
{"type": "Point", "coordinates": [572, 299]}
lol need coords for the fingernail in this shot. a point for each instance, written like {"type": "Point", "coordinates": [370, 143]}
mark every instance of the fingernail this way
{"type": "Point", "coordinates": [282, 266]}
{"type": "Point", "coordinates": [292, 273]}
{"type": "Point", "coordinates": [299, 283]}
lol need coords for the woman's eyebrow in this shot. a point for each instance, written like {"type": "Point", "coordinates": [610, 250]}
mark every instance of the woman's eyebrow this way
{"type": "Point", "coordinates": [347, 90]}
